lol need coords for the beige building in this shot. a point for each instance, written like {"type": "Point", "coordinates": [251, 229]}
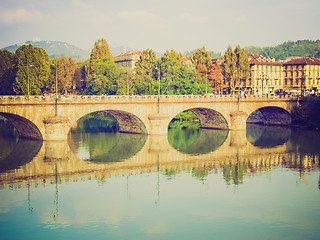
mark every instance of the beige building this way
{"type": "Point", "coordinates": [127, 60]}
{"type": "Point", "coordinates": [302, 74]}
{"type": "Point", "coordinates": [266, 74]}
{"type": "Point", "coordinates": [295, 74]}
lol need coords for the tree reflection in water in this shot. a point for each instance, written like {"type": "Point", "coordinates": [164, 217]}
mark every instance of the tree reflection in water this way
{"type": "Point", "coordinates": [196, 141]}
{"type": "Point", "coordinates": [105, 147]}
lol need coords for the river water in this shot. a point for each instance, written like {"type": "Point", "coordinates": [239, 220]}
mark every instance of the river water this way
{"type": "Point", "coordinates": [262, 183]}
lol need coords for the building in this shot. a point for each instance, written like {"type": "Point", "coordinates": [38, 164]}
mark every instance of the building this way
{"type": "Point", "coordinates": [302, 74]}
{"type": "Point", "coordinates": [266, 75]}
{"type": "Point", "coordinates": [127, 60]}
{"type": "Point", "coordinates": [295, 74]}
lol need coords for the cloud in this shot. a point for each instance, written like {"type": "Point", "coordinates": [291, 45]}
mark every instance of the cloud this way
{"type": "Point", "coordinates": [19, 15]}
{"type": "Point", "coordinates": [194, 18]}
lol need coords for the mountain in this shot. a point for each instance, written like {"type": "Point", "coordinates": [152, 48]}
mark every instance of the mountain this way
{"type": "Point", "coordinates": [300, 48]}
{"type": "Point", "coordinates": [56, 49]}
{"type": "Point", "coordinates": [59, 49]}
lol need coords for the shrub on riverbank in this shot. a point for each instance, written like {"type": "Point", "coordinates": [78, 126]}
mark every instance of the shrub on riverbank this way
{"type": "Point", "coordinates": [185, 120]}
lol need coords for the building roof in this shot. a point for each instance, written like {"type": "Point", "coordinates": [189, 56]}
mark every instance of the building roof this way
{"type": "Point", "coordinates": [129, 53]}
{"type": "Point", "coordinates": [303, 61]}
{"type": "Point", "coordinates": [185, 59]}
{"type": "Point", "coordinates": [256, 62]}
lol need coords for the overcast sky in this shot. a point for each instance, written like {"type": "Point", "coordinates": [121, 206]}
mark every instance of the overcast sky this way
{"type": "Point", "coordinates": [160, 24]}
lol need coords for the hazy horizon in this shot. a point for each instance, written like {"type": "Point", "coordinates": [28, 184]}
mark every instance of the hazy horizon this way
{"type": "Point", "coordinates": [160, 25]}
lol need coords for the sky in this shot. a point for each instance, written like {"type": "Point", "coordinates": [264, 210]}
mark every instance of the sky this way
{"type": "Point", "coordinates": [182, 25]}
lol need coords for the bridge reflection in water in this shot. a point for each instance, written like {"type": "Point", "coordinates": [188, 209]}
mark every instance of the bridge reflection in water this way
{"type": "Point", "coordinates": [261, 148]}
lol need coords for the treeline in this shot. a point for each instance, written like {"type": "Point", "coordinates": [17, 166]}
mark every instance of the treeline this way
{"type": "Point", "coordinates": [29, 71]}
{"type": "Point", "coordinates": [301, 48]}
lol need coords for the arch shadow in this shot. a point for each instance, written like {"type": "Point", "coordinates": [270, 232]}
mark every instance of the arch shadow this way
{"type": "Point", "coordinates": [25, 127]}
{"type": "Point", "coordinates": [127, 122]}
{"type": "Point", "coordinates": [210, 118]}
{"type": "Point", "coordinates": [23, 152]}
{"type": "Point", "coordinates": [267, 136]}
{"type": "Point", "coordinates": [270, 116]}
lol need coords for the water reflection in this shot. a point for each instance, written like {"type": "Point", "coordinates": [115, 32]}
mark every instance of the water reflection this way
{"type": "Point", "coordinates": [195, 142]}
{"type": "Point", "coordinates": [15, 152]}
{"type": "Point", "coordinates": [8, 138]}
{"type": "Point", "coordinates": [105, 147]}
{"type": "Point", "coordinates": [153, 191]}
{"type": "Point", "coordinates": [267, 136]}
{"type": "Point", "coordinates": [23, 152]}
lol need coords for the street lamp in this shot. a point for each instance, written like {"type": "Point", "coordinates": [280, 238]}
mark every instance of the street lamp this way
{"type": "Point", "coordinates": [206, 83]}
{"type": "Point", "coordinates": [28, 79]}
{"type": "Point", "coordinates": [56, 105]}
{"type": "Point", "coordinates": [128, 83]}
{"type": "Point", "coordinates": [262, 77]}
{"type": "Point", "coordinates": [158, 87]}
{"type": "Point", "coordinates": [303, 82]}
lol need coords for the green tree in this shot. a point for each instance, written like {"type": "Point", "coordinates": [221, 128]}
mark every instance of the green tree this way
{"type": "Point", "coordinates": [6, 71]}
{"type": "Point", "coordinates": [242, 66]}
{"type": "Point", "coordinates": [125, 82]}
{"type": "Point", "coordinates": [32, 69]}
{"type": "Point", "coordinates": [171, 67]}
{"type": "Point", "coordinates": [201, 57]}
{"type": "Point", "coordinates": [104, 79]}
{"type": "Point", "coordinates": [146, 74]}
{"type": "Point", "coordinates": [84, 71]}
{"type": "Point", "coordinates": [236, 67]}
{"type": "Point", "coordinates": [100, 50]}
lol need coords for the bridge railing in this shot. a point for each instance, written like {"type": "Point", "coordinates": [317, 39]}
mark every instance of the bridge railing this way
{"type": "Point", "coordinates": [49, 98]}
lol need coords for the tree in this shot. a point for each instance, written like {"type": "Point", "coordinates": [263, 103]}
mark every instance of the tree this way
{"type": "Point", "coordinates": [68, 75]}
{"type": "Point", "coordinates": [202, 57]}
{"type": "Point", "coordinates": [215, 78]}
{"type": "Point", "coordinates": [242, 66]}
{"type": "Point", "coordinates": [100, 50]}
{"type": "Point", "coordinates": [125, 82]}
{"type": "Point", "coordinates": [32, 70]}
{"type": "Point", "coordinates": [146, 73]}
{"type": "Point", "coordinates": [6, 71]}
{"type": "Point", "coordinates": [228, 68]}
{"type": "Point", "coordinates": [171, 66]}
{"type": "Point", "coordinates": [104, 79]}
{"type": "Point", "coordinates": [236, 67]}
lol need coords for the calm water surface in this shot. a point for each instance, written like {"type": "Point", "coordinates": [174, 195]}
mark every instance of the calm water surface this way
{"type": "Point", "coordinates": [206, 184]}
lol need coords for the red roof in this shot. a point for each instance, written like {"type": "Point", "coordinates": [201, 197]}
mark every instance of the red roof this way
{"type": "Point", "coordinates": [129, 53]}
{"type": "Point", "coordinates": [303, 61]}
{"type": "Point", "coordinates": [185, 59]}
{"type": "Point", "coordinates": [256, 62]}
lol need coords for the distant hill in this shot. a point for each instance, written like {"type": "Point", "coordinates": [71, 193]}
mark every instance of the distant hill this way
{"type": "Point", "coordinates": [301, 48]}
{"type": "Point", "coordinates": [56, 49]}
{"type": "Point", "coordinates": [59, 49]}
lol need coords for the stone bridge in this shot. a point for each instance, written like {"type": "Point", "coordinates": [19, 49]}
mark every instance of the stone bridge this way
{"type": "Point", "coordinates": [46, 118]}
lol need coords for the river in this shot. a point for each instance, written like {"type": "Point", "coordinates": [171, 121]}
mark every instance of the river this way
{"type": "Point", "coordinates": [262, 183]}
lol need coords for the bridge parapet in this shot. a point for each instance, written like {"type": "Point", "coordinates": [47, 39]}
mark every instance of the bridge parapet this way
{"type": "Point", "coordinates": [146, 98]}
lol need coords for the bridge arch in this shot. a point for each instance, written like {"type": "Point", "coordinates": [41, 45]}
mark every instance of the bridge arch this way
{"type": "Point", "coordinates": [24, 126]}
{"type": "Point", "coordinates": [270, 115]}
{"type": "Point", "coordinates": [127, 122]}
{"type": "Point", "coordinates": [209, 118]}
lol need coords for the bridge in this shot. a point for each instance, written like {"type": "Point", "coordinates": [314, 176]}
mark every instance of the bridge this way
{"type": "Point", "coordinates": [47, 118]}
